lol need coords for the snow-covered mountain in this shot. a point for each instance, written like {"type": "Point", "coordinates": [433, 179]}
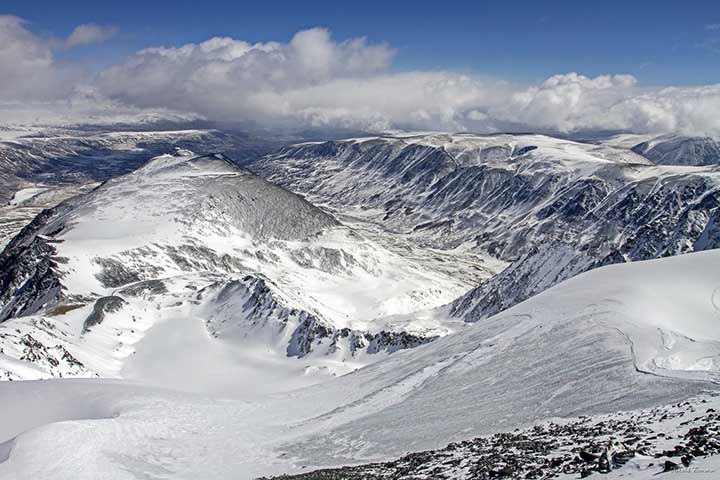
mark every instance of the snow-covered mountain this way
{"type": "Point", "coordinates": [198, 238]}
{"type": "Point", "coordinates": [553, 208]}
{"type": "Point", "coordinates": [72, 156]}
{"type": "Point", "coordinates": [367, 298]}
{"type": "Point", "coordinates": [41, 166]}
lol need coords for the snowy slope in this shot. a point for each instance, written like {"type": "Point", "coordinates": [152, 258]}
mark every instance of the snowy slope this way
{"type": "Point", "coordinates": [196, 241]}
{"type": "Point", "coordinates": [240, 330]}
{"type": "Point", "coordinates": [620, 337]}
{"type": "Point", "coordinates": [62, 162]}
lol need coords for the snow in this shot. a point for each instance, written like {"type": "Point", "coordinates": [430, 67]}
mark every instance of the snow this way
{"type": "Point", "coordinates": [563, 151]}
{"type": "Point", "coordinates": [578, 348]}
{"type": "Point", "coordinates": [192, 222]}
{"type": "Point", "coordinates": [219, 272]}
{"type": "Point", "coordinates": [26, 194]}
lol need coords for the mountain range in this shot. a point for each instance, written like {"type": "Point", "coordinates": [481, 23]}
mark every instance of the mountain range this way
{"type": "Point", "coordinates": [235, 307]}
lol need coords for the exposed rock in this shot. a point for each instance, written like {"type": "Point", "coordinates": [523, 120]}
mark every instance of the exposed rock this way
{"type": "Point", "coordinates": [584, 447]}
{"type": "Point", "coordinates": [102, 307]}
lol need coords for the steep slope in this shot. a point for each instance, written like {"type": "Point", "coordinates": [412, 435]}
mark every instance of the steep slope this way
{"type": "Point", "coordinates": [553, 208]}
{"type": "Point", "coordinates": [620, 337]}
{"type": "Point", "coordinates": [196, 239]}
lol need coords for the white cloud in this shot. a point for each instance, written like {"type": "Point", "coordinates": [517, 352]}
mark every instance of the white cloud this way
{"type": "Point", "coordinates": [223, 77]}
{"type": "Point", "coordinates": [89, 33]}
{"type": "Point", "coordinates": [28, 69]}
{"type": "Point", "coordinates": [313, 80]}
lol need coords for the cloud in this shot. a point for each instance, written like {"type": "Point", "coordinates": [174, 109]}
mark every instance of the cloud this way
{"type": "Point", "coordinates": [89, 33]}
{"type": "Point", "coordinates": [226, 77]}
{"type": "Point", "coordinates": [713, 27]}
{"type": "Point", "coordinates": [28, 68]}
{"type": "Point", "coordinates": [567, 102]}
{"type": "Point", "coordinates": [314, 80]}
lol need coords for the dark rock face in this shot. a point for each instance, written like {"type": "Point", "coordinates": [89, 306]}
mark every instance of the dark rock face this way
{"type": "Point", "coordinates": [582, 447]}
{"type": "Point", "coordinates": [114, 273]}
{"type": "Point", "coordinates": [102, 307]}
{"type": "Point", "coordinates": [28, 277]}
{"type": "Point", "coordinates": [679, 216]}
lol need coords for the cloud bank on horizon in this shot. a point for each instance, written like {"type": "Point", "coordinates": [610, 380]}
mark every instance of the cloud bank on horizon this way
{"type": "Point", "coordinates": [316, 81]}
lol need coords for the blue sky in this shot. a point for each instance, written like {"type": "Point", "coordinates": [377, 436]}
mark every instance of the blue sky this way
{"type": "Point", "coordinates": [553, 66]}
{"type": "Point", "coordinates": [659, 42]}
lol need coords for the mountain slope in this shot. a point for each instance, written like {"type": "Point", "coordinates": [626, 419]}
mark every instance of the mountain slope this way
{"type": "Point", "coordinates": [196, 239]}
{"type": "Point", "coordinates": [619, 337]}
{"type": "Point", "coordinates": [553, 208]}
{"type": "Point", "coordinates": [671, 149]}
{"type": "Point", "coordinates": [39, 167]}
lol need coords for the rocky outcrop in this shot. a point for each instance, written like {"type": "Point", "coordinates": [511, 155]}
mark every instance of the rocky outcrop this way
{"type": "Point", "coordinates": [102, 307]}
{"type": "Point", "coordinates": [29, 280]}
{"type": "Point", "coordinates": [253, 307]}
{"type": "Point", "coordinates": [582, 447]}
{"type": "Point", "coordinates": [642, 221]}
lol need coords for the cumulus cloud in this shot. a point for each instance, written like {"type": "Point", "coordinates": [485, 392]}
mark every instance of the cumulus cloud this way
{"type": "Point", "coordinates": [315, 80]}
{"type": "Point", "coordinates": [227, 78]}
{"type": "Point", "coordinates": [573, 102]}
{"type": "Point", "coordinates": [28, 68]}
{"type": "Point", "coordinates": [89, 33]}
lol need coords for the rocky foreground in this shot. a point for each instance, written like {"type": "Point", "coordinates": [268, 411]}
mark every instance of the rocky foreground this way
{"type": "Point", "coordinates": [657, 440]}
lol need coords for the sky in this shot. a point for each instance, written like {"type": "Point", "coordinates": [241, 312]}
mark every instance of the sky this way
{"type": "Point", "coordinates": [659, 42]}
{"type": "Point", "coordinates": [476, 64]}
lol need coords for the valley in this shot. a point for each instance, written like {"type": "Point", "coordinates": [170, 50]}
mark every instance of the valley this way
{"type": "Point", "coordinates": [349, 302]}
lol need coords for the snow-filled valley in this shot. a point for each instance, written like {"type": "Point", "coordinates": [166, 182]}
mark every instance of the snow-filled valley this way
{"type": "Point", "coordinates": [346, 302]}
